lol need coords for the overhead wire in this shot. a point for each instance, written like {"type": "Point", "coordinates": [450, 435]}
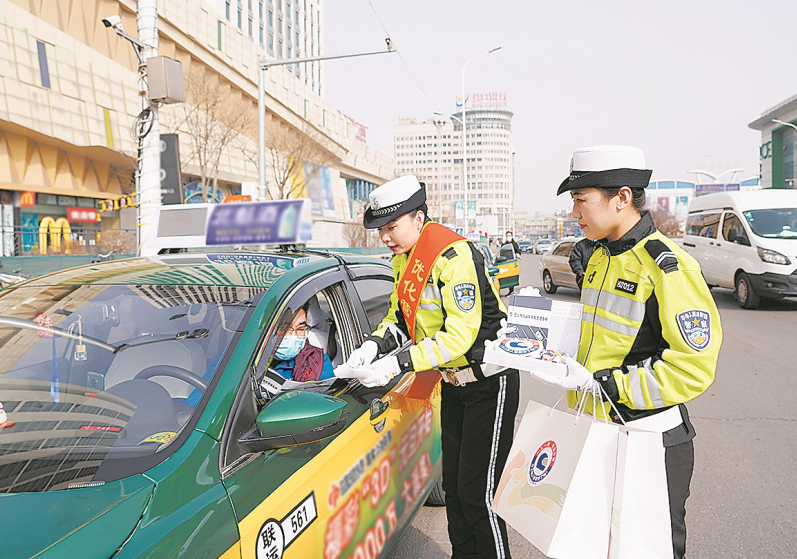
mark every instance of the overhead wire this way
{"type": "Point", "coordinates": [402, 59]}
{"type": "Point", "coordinates": [365, 89]}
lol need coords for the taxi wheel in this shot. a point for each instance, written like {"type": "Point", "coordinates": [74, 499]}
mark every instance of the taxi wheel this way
{"type": "Point", "coordinates": [745, 294]}
{"type": "Point", "coordinates": [437, 497]}
{"type": "Point", "coordinates": [547, 282]}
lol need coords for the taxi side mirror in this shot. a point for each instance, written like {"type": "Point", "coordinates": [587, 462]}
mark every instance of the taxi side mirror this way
{"type": "Point", "coordinates": [492, 271]}
{"type": "Point", "coordinates": [296, 417]}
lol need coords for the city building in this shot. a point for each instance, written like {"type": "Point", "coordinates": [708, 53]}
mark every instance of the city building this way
{"type": "Point", "coordinates": [778, 164]}
{"type": "Point", "coordinates": [69, 96]}
{"type": "Point", "coordinates": [432, 151]}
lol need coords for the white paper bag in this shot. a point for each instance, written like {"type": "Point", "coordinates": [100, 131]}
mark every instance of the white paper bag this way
{"type": "Point", "coordinates": [641, 526]}
{"type": "Point", "coordinates": [556, 488]}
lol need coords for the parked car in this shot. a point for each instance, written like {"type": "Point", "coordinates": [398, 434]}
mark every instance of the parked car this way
{"type": "Point", "coordinates": [525, 246]}
{"type": "Point", "coordinates": [140, 422]}
{"type": "Point", "coordinates": [541, 246]}
{"type": "Point", "coordinates": [555, 268]}
{"type": "Point", "coordinates": [746, 241]}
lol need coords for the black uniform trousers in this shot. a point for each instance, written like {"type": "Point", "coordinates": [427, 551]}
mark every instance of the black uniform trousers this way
{"type": "Point", "coordinates": [477, 421]}
{"type": "Point", "coordinates": [679, 462]}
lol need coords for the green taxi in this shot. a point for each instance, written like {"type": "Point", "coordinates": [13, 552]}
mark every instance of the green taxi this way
{"type": "Point", "coordinates": [136, 423]}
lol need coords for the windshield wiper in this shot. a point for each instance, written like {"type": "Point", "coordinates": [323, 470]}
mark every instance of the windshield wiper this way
{"type": "Point", "coordinates": [31, 325]}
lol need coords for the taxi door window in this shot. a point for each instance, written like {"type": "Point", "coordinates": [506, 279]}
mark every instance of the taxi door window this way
{"type": "Point", "coordinates": [375, 297]}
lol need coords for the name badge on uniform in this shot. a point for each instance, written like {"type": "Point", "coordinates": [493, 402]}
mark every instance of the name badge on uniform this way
{"type": "Point", "coordinates": [626, 286]}
{"type": "Point", "coordinates": [465, 295]}
{"type": "Point", "coordinates": [695, 326]}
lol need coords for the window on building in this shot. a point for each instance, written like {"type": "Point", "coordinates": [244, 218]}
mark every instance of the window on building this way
{"type": "Point", "coordinates": [271, 18]}
{"type": "Point", "coordinates": [43, 68]}
{"type": "Point", "coordinates": [260, 11]}
{"type": "Point", "coordinates": [240, 17]}
{"type": "Point", "coordinates": [227, 9]}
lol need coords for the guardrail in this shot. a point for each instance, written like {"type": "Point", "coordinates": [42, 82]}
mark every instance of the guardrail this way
{"type": "Point", "coordinates": [57, 237]}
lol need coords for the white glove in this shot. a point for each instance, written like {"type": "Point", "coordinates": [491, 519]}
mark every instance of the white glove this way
{"type": "Point", "coordinates": [505, 330]}
{"type": "Point", "coordinates": [363, 355]}
{"type": "Point", "coordinates": [578, 377]}
{"type": "Point", "coordinates": [381, 371]}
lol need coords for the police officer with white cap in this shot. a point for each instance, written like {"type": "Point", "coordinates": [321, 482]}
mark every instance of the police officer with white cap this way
{"type": "Point", "coordinates": [445, 303]}
{"type": "Point", "coordinates": [650, 332]}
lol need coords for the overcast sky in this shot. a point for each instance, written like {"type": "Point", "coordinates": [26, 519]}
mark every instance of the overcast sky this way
{"type": "Point", "coordinates": [679, 79]}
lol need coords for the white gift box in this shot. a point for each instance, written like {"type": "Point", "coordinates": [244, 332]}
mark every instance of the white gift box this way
{"type": "Point", "coordinates": [557, 324]}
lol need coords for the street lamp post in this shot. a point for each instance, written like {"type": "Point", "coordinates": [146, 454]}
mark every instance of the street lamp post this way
{"type": "Point", "coordinates": [463, 161]}
{"type": "Point", "coordinates": [464, 135]}
{"type": "Point", "coordinates": [439, 125]}
{"type": "Point", "coordinates": [264, 65]}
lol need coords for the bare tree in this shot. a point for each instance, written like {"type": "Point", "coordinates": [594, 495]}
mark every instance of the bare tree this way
{"type": "Point", "coordinates": [213, 117]}
{"type": "Point", "coordinates": [287, 151]}
{"type": "Point", "coordinates": [666, 223]}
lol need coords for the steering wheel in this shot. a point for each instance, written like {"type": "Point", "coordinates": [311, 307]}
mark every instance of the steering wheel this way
{"type": "Point", "coordinates": [175, 372]}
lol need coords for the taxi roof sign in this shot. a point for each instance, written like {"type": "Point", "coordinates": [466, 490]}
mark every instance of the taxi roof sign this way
{"type": "Point", "coordinates": [275, 222]}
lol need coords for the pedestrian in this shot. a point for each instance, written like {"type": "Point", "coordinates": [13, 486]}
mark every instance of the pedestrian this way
{"type": "Point", "coordinates": [445, 303]}
{"type": "Point", "coordinates": [510, 240]}
{"type": "Point", "coordinates": [650, 332]}
{"type": "Point", "coordinates": [579, 258]}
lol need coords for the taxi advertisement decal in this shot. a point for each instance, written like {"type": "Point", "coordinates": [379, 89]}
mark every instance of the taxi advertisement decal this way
{"type": "Point", "coordinates": [275, 536]}
{"type": "Point", "coordinates": [379, 491]}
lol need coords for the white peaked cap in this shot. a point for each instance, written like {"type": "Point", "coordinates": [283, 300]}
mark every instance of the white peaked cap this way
{"type": "Point", "coordinates": [392, 200]}
{"type": "Point", "coordinates": [604, 158]}
{"type": "Point", "coordinates": [606, 167]}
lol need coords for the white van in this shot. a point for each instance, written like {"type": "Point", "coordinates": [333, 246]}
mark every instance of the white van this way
{"type": "Point", "coordinates": [746, 241]}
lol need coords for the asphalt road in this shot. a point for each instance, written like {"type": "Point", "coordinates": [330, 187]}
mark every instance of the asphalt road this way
{"type": "Point", "coordinates": [743, 501]}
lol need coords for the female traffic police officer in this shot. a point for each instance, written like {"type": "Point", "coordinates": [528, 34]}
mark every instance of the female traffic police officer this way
{"type": "Point", "coordinates": [444, 301]}
{"type": "Point", "coordinates": [650, 332]}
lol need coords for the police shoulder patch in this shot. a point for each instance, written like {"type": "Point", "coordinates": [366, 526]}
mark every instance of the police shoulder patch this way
{"type": "Point", "coordinates": [695, 327]}
{"type": "Point", "coordinates": [465, 295]}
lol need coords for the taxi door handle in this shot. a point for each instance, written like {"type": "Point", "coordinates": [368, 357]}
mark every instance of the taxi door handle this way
{"type": "Point", "coordinates": [379, 411]}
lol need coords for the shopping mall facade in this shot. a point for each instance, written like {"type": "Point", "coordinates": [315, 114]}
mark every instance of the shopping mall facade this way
{"type": "Point", "coordinates": [69, 97]}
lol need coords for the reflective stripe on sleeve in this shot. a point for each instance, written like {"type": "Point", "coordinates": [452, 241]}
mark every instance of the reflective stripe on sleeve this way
{"type": "Point", "coordinates": [443, 350]}
{"type": "Point", "coordinates": [653, 384]}
{"type": "Point", "coordinates": [428, 345]}
{"type": "Point", "coordinates": [636, 387]}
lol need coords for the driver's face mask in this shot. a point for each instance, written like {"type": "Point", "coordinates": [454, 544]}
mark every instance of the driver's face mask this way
{"type": "Point", "coordinates": [289, 347]}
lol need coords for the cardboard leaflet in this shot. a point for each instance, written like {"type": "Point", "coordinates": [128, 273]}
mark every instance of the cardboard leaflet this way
{"type": "Point", "coordinates": [541, 330]}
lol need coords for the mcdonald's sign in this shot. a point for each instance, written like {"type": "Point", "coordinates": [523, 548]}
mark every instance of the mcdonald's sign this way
{"type": "Point", "coordinates": [27, 199]}
{"type": "Point", "coordinates": [55, 227]}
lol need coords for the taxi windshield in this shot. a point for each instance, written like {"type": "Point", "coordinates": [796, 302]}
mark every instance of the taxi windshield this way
{"type": "Point", "coordinates": [776, 223]}
{"type": "Point", "coordinates": [93, 377]}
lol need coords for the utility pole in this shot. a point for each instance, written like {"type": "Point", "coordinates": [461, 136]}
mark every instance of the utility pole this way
{"type": "Point", "coordinates": [148, 183]}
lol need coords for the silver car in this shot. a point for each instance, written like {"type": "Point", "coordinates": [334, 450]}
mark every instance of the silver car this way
{"type": "Point", "coordinates": [542, 246]}
{"type": "Point", "coordinates": [555, 268]}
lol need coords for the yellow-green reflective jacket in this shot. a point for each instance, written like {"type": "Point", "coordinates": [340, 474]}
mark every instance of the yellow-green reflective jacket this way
{"type": "Point", "coordinates": [459, 309]}
{"type": "Point", "coordinates": [650, 329]}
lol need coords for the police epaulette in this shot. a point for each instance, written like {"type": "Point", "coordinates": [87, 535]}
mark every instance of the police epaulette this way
{"type": "Point", "coordinates": [662, 254]}
{"type": "Point", "coordinates": [450, 253]}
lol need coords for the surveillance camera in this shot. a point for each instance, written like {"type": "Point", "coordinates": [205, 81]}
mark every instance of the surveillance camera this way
{"type": "Point", "coordinates": [113, 21]}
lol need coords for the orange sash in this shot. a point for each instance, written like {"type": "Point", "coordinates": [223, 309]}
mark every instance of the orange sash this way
{"type": "Point", "coordinates": [434, 240]}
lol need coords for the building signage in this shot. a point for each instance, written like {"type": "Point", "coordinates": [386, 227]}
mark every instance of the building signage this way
{"type": "Point", "coordinates": [495, 100]}
{"type": "Point", "coordinates": [703, 189]}
{"type": "Point", "coordinates": [81, 215]}
{"type": "Point", "coordinates": [27, 199]}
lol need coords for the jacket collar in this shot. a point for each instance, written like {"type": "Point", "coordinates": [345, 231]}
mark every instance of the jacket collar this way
{"type": "Point", "coordinates": [642, 229]}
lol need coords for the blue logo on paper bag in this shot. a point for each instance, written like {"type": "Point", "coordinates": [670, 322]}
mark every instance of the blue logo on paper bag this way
{"type": "Point", "coordinates": [695, 326]}
{"type": "Point", "coordinates": [465, 295]}
{"type": "Point", "coordinates": [542, 463]}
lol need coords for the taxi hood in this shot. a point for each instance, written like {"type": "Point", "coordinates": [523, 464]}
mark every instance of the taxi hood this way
{"type": "Point", "coordinates": [69, 522]}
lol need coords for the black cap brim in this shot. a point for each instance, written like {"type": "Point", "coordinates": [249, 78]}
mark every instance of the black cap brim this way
{"type": "Point", "coordinates": [612, 178]}
{"type": "Point", "coordinates": [415, 201]}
